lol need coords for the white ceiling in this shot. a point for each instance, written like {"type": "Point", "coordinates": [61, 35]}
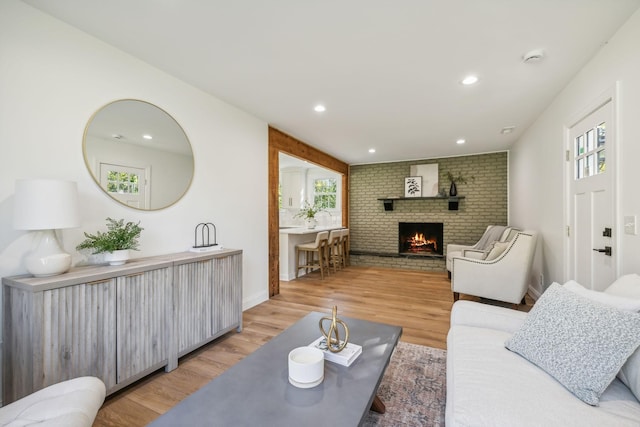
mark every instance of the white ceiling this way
{"type": "Point", "coordinates": [387, 71]}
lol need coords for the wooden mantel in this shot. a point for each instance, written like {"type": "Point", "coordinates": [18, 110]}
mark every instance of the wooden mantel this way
{"type": "Point", "coordinates": [281, 142]}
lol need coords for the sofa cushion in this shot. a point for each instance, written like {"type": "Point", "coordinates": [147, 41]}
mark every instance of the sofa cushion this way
{"type": "Point", "coordinates": [487, 385]}
{"type": "Point", "coordinates": [623, 303]}
{"type": "Point", "coordinates": [625, 286]}
{"type": "Point", "coordinates": [581, 343]}
{"type": "Point", "coordinates": [630, 372]}
{"type": "Point", "coordinates": [71, 403]}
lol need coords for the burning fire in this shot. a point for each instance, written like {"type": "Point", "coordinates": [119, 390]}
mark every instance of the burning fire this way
{"type": "Point", "coordinates": [420, 241]}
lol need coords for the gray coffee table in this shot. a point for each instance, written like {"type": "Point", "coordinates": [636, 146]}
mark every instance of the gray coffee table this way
{"type": "Point", "coordinates": [256, 390]}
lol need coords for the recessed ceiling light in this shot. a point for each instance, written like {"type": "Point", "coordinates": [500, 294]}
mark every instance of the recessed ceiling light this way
{"type": "Point", "coordinates": [469, 80]}
{"type": "Point", "coordinates": [319, 108]}
{"type": "Point", "coordinates": [507, 129]}
{"type": "Point", "coordinates": [372, 150]}
{"type": "Point", "coordinates": [535, 55]}
{"type": "Point", "coordinates": [147, 136]}
{"type": "Point", "coordinates": [460, 141]}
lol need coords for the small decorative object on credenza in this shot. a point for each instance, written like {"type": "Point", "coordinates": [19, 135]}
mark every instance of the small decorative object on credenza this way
{"type": "Point", "coordinates": [336, 350]}
{"type": "Point", "coordinates": [45, 205]}
{"type": "Point", "coordinates": [204, 244]}
{"type": "Point", "coordinates": [116, 243]}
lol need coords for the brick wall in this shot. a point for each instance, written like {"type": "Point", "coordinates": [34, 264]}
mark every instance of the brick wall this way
{"type": "Point", "coordinates": [374, 231]}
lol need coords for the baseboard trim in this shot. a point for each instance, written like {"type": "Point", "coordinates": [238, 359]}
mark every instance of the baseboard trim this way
{"type": "Point", "coordinates": [534, 293]}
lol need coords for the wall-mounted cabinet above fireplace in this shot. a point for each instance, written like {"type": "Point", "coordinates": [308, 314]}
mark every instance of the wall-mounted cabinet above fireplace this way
{"type": "Point", "coordinates": [453, 201]}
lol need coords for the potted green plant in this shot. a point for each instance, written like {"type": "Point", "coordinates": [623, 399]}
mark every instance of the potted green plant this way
{"type": "Point", "coordinates": [453, 190]}
{"type": "Point", "coordinates": [308, 213]}
{"type": "Point", "coordinates": [115, 243]}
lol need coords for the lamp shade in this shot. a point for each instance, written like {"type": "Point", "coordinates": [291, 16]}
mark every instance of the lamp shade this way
{"type": "Point", "coordinates": [46, 204]}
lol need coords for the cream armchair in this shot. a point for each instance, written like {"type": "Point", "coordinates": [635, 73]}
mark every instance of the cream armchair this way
{"type": "Point", "coordinates": [493, 233]}
{"type": "Point", "coordinates": [503, 275]}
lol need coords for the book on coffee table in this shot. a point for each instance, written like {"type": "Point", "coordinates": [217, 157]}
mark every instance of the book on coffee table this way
{"type": "Point", "coordinates": [344, 357]}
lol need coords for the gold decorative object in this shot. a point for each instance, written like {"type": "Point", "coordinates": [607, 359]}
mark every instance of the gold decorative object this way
{"type": "Point", "coordinates": [334, 344]}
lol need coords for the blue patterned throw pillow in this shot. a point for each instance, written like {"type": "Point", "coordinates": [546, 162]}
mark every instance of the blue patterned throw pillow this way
{"type": "Point", "coordinates": [581, 343]}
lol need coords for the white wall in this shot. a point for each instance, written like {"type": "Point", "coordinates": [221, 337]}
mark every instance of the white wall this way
{"type": "Point", "coordinates": [54, 77]}
{"type": "Point", "coordinates": [537, 159]}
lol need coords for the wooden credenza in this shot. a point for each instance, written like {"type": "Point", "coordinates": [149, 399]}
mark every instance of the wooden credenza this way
{"type": "Point", "coordinates": [118, 323]}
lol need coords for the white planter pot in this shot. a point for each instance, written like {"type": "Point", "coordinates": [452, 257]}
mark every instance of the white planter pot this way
{"type": "Point", "coordinates": [311, 223]}
{"type": "Point", "coordinates": [117, 257]}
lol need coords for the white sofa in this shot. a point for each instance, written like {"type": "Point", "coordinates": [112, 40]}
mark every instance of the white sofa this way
{"type": "Point", "coordinates": [72, 403]}
{"type": "Point", "coordinates": [488, 385]}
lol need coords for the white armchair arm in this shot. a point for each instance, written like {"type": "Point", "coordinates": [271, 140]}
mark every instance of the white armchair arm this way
{"type": "Point", "coordinates": [452, 247]}
{"type": "Point", "coordinates": [474, 254]}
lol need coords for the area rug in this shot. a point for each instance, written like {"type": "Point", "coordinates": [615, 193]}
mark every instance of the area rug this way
{"type": "Point", "coordinates": [413, 388]}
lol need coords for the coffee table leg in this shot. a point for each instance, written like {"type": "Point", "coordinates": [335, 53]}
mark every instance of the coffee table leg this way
{"type": "Point", "coordinates": [378, 405]}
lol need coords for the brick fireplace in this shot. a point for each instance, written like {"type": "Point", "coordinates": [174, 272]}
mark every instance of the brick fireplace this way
{"type": "Point", "coordinates": [374, 232]}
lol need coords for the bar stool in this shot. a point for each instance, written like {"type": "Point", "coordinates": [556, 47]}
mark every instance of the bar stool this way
{"type": "Point", "coordinates": [319, 247]}
{"type": "Point", "coordinates": [346, 244]}
{"type": "Point", "coordinates": [335, 249]}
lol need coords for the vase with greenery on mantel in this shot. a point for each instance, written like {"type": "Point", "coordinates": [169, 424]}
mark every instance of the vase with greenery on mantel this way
{"type": "Point", "coordinates": [115, 243]}
{"type": "Point", "coordinates": [453, 190]}
{"type": "Point", "coordinates": [308, 213]}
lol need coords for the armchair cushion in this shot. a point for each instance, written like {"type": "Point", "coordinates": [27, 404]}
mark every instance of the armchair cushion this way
{"type": "Point", "coordinates": [497, 249]}
{"type": "Point", "coordinates": [582, 344]}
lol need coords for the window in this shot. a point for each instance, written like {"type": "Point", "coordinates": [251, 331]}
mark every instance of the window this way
{"type": "Point", "coordinates": [325, 193]}
{"type": "Point", "coordinates": [590, 156]}
{"type": "Point", "coordinates": [122, 182]}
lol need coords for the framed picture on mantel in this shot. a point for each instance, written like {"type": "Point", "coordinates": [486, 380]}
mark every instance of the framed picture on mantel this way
{"type": "Point", "coordinates": [413, 186]}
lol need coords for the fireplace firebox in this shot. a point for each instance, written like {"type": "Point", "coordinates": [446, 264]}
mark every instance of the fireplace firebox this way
{"type": "Point", "coordinates": [420, 238]}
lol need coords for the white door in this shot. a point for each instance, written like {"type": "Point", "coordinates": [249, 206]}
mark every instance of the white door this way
{"type": "Point", "coordinates": [126, 184]}
{"type": "Point", "coordinates": [592, 253]}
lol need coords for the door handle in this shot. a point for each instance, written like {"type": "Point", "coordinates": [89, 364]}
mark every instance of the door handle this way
{"type": "Point", "coordinates": [606, 250]}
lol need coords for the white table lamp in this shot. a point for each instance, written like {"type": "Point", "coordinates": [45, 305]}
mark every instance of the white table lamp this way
{"type": "Point", "coordinates": [45, 205]}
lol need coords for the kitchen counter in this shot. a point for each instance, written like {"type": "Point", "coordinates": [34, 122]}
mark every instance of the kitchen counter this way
{"type": "Point", "coordinates": [289, 238]}
{"type": "Point", "coordinates": [305, 230]}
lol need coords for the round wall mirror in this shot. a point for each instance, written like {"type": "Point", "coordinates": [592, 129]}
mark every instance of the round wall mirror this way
{"type": "Point", "coordinates": [138, 154]}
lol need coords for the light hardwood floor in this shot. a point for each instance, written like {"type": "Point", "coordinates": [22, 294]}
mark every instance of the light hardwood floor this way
{"type": "Point", "coordinates": [418, 301]}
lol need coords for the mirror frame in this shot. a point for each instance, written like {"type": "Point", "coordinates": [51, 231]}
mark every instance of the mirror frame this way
{"type": "Point", "coordinates": [95, 174]}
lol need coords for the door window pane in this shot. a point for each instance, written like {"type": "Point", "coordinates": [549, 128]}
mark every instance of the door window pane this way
{"type": "Point", "coordinates": [602, 136]}
{"type": "Point", "coordinates": [580, 145]}
{"type": "Point", "coordinates": [590, 140]}
{"type": "Point", "coordinates": [580, 168]}
{"type": "Point", "coordinates": [602, 164]}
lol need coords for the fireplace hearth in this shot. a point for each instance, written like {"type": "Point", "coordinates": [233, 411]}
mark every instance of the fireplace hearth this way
{"type": "Point", "coordinates": [420, 238]}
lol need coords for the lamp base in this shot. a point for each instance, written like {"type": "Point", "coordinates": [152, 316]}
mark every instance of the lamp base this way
{"type": "Point", "coordinates": [47, 257]}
